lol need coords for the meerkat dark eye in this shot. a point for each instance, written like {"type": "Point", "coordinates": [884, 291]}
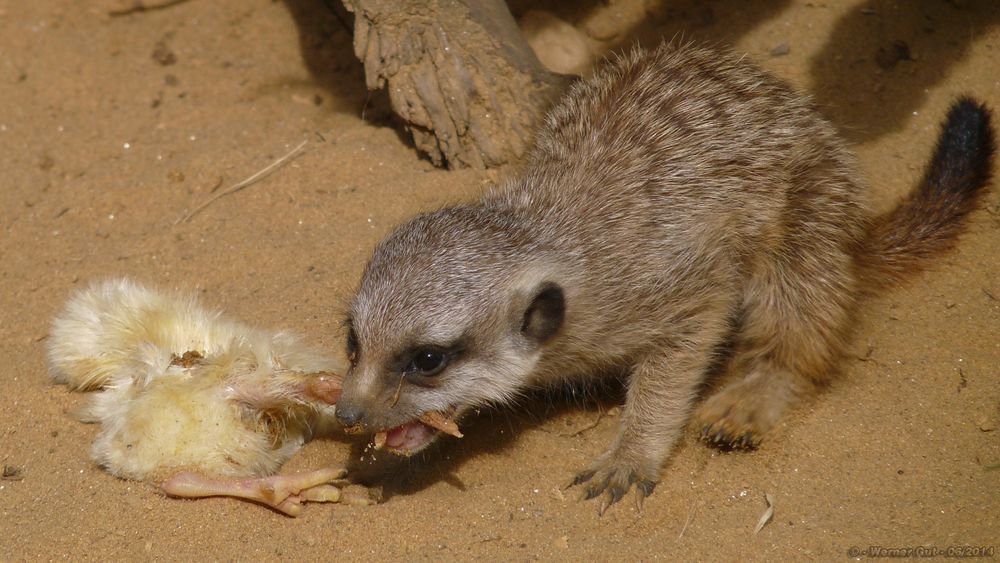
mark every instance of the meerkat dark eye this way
{"type": "Point", "coordinates": [352, 344]}
{"type": "Point", "coordinates": [427, 361]}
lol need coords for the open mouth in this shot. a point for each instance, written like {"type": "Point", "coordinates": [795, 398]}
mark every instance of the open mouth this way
{"type": "Point", "coordinates": [409, 438]}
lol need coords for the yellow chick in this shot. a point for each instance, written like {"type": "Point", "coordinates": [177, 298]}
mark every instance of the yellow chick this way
{"type": "Point", "coordinates": [202, 405]}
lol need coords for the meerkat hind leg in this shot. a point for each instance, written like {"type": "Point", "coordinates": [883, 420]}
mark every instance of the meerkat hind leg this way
{"type": "Point", "coordinates": [791, 334]}
{"type": "Point", "coordinates": [740, 414]}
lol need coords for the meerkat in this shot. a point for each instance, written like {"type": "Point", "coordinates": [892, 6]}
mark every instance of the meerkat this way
{"type": "Point", "coordinates": [680, 199]}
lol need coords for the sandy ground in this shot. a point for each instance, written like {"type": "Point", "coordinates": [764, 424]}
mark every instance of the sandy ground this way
{"type": "Point", "coordinates": [112, 128]}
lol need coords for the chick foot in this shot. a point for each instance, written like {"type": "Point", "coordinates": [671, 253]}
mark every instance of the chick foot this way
{"type": "Point", "coordinates": [284, 493]}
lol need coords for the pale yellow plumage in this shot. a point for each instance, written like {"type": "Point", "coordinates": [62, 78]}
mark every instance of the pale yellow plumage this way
{"type": "Point", "coordinates": [239, 404]}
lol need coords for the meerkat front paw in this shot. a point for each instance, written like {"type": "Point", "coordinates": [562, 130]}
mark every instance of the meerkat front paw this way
{"type": "Point", "coordinates": [612, 476]}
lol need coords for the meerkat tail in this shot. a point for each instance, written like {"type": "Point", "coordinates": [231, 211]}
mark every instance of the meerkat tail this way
{"type": "Point", "coordinates": [928, 221]}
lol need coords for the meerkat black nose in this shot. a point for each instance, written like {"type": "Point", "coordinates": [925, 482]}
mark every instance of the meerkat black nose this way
{"type": "Point", "coordinates": [349, 414]}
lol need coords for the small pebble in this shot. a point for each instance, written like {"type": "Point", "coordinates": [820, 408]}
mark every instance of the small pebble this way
{"type": "Point", "coordinates": [781, 50]}
{"type": "Point", "coordinates": [887, 57]}
{"type": "Point", "coordinates": [162, 54]}
{"type": "Point", "coordinates": [986, 423]}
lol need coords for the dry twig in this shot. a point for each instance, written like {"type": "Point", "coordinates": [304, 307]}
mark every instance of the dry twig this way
{"type": "Point", "coordinates": [688, 521]}
{"type": "Point", "coordinates": [767, 515]}
{"type": "Point", "coordinates": [245, 183]}
{"type": "Point", "coordinates": [582, 429]}
{"type": "Point", "coordinates": [142, 6]}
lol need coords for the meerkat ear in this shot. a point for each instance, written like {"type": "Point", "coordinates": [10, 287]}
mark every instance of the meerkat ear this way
{"type": "Point", "coordinates": [545, 313]}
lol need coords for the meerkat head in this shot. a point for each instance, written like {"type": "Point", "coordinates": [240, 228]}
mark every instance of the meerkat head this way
{"type": "Point", "coordinates": [450, 315]}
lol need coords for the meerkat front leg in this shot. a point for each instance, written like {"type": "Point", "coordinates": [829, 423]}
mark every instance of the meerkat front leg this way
{"type": "Point", "coordinates": [661, 391]}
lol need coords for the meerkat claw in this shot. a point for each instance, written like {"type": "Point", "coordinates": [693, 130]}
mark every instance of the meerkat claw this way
{"type": "Point", "coordinates": [725, 440]}
{"type": "Point", "coordinates": [616, 493]}
{"type": "Point", "coordinates": [580, 479]}
{"type": "Point", "coordinates": [645, 487]}
{"type": "Point", "coordinates": [606, 502]}
{"type": "Point", "coordinates": [593, 491]}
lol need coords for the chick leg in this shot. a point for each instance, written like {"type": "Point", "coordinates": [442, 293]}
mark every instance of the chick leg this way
{"type": "Point", "coordinates": [284, 493]}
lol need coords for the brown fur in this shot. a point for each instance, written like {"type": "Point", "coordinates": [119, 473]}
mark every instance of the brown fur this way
{"type": "Point", "coordinates": [680, 198]}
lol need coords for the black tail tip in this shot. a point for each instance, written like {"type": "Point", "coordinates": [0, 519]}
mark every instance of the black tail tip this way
{"type": "Point", "coordinates": [965, 148]}
{"type": "Point", "coordinates": [968, 123]}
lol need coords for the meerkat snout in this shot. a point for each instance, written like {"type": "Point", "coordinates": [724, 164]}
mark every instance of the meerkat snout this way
{"type": "Point", "coordinates": [349, 414]}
